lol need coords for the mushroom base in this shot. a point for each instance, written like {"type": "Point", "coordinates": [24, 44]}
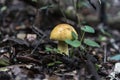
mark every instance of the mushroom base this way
{"type": "Point", "coordinates": [63, 47]}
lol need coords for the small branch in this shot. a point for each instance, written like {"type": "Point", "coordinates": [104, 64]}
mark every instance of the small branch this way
{"type": "Point", "coordinates": [28, 59]}
{"type": "Point", "coordinates": [38, 44]}
{"type": "Point", "coordinates": [105, 53]}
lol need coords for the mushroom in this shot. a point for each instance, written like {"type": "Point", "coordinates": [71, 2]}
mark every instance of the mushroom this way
{"type": "Point", "coordinates": [61, 33]}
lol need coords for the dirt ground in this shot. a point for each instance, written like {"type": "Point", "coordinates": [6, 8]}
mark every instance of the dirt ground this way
{"type": "Point", "coordinates": [28, 53]}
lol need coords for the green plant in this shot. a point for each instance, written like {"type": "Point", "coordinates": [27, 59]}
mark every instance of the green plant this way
{"type": "Point", "coordinates": [83, 41]}
{"type": "Point", "coordinates": [54, 63]}
{"type": "Point", "coordinates": [75, 42]}
{"type": "Point", "coordinates": [49, 49]}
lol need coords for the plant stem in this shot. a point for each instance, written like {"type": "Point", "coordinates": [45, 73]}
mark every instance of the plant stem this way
{"type": "Point", "coordinates": [82, 37]}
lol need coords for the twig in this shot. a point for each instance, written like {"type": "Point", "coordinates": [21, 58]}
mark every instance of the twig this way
{"type": "Point", "coordinates": [37, 31]}
{"type": "Point", "coordinates": [12, 66]}
{"type": "Point", "coordinates": [38, 44]}
{"type": "Point", "coordinates": [29, 59]}
{"type": "Point", "coordinates": [105, 53]}
{"type": "Point", "coordinates": [92, 4]}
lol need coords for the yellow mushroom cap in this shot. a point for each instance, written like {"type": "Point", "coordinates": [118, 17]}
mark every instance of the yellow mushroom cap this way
{"type": "Point", "coordinates": [62, 32]}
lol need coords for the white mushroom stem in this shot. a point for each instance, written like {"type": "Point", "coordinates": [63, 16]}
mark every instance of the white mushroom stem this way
{"type": "Point", "coordinates": [63, 47]}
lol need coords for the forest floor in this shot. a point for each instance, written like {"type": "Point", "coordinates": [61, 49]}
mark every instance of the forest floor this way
{"type": "Point", "coordinates": [27, 53]}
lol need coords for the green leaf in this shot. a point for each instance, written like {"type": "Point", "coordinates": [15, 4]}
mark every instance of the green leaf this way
{"type": "Point", "coordinates": [4, 69]}
{"type": "Point", "coordinates": [58, 62]}
{"type": "Point", "coordinates": [102, 38]}
{"type": "Point", "coordinates": [91, 43]}
{"type": "Point", "coordinates": [74, 35]}
{"type": "Point", "coordinates": [115, 57]}
{"type": "Point", "coordinates": [88, 29]}
{"type": "Point", "coordinates": [3, 8]}
{"type": "Point", "coordinates": [56, 50]}
{"type": "Point", "coordinates": [4, 62]}
{"type": "Point", "coordinates": [97, 67]}
{"type": "Point", "coordinates": [48, 49]}
{"type": "Point", "coordinates": [74, 43]}
{"type": "Point", "coordinates": [46, 7]}
{"type": "Point", "coordinates": [53, 63]}
{"type": "Point", "coordinates": [105, 32]}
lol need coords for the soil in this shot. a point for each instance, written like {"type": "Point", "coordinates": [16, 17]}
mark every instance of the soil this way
{"type": "Point", "coordinates": [27, 53]}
